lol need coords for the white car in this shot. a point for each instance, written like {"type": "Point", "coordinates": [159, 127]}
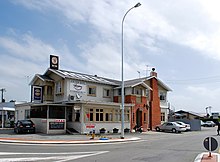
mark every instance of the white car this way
{"type": "Point", "coordinates": [170, 126]}
{"type": "Point", "coordinates": [184, 124]}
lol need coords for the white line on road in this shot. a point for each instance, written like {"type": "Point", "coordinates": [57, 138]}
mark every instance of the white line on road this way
{"type": "Point", "coordinates": [62, 158]}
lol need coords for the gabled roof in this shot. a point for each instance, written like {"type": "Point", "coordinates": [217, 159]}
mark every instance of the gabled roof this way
{"type": "Point", "coordinates": [189, 112]}
{"type": "Point", "coordinates": [41, 77]}
{"type": "Point", "coordinates": [97, 79]}
{"type": "Point", "coordinates": [135, 82]}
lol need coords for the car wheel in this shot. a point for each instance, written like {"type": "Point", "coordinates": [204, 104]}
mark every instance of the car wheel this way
{"type": "Point", "coordinates": [174, 130]}
{"type": "Point", "coordinates": [157, 129]}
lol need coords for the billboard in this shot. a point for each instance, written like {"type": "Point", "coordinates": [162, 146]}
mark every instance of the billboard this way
{"type": "Point", "coordinates": [37, 94]}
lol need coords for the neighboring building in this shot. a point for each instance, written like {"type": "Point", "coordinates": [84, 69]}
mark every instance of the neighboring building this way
{"type": "Point", "coordinates": [7, 110]}
{"type": "Point", "coordinates": [64, 99]}
{"type": "Point", "coordinates": [187, 115]}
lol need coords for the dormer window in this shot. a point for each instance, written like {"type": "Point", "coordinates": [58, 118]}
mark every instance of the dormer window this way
{"type": "Point", "coordinates": [58, 87]}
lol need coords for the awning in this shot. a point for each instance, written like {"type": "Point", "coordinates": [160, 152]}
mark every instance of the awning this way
{"type": "Point", "coordinates": [7, 108]}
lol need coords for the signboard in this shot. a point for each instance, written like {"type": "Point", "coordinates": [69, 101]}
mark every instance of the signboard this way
{"type": "Point", "coordinates": [77, 87]}
{"type": "Point", "coordinates": [56, 125]}
{"type": "Point", "coordinates": [54, 62]}
{"type": "Point", "coordinates": [37, 94]}
{"type": "Point", "coordinates": [90, 125]}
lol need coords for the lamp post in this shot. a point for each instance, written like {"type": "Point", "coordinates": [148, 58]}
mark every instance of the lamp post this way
{"type": "Point", "coordinates": [122, 71]}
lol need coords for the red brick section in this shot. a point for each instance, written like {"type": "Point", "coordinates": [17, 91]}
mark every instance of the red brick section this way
{"type": "Point", "coordinates": [206, 158]}
{"type": "Point", "coordinates": [155, 111]}
{"type": "Point", "coordinates": [142, 108]}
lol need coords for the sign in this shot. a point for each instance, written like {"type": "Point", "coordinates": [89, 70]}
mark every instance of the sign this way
{"type": "Point", "coordinates": [210, 143]}
{"type": "Point", "coordinates": [56, 125]}
{"type": "Point", "coordinates": [90, 125]}
{"type": "Point", "coordinates": [60, 120]}
{"type": "Point", "coordinates": [54, 62]}
{"type": "Point", "coordinates": [37, 94]}
{"type": "Point", "coordinates": [77, 87]}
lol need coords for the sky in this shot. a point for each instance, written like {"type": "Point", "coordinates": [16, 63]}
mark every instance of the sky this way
{"type": "Point", "coordinates": [180, 39]}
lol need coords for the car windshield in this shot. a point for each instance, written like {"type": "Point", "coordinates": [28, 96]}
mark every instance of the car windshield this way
{"type": "Point", "coordinates": [26, 122]}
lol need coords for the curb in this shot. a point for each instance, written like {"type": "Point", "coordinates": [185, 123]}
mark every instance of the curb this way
{"type": "Point", "coordinates": [203, 157]}
{"type": "Point", "coordinates": [23, 141]}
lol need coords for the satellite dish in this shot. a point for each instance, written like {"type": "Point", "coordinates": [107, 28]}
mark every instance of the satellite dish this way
{"type": "Point", "coordinates": [78, 96]}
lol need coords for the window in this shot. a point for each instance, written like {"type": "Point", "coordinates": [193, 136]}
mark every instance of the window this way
{"type": "Point", "coordinates": [58, 87]}
{"type": "Point", "coordinates": [162, 96]}
{"type": "Point", "coordinates": [56, 112]}
{"type": "Point", "coordinates": [38, 112]}
{"type": "Point", "coordinates": [91, 115]}
{"type": "Point", "coordinates": [27, 114]}
{"type": "Point", "coordinates": [99, 114]}
{"type": "Point", "coordinates": [163, 116]}
{"type": "Point", "coordinates": [145, 117]}
{"type": "Point", "coordinates": [119, 92]}
{"type": "Point", "coordinates": [91, 91]}
{"type": "Point", "coordinates": [77, 115]}
{"type": "Point", "coordinates": [138, 91]}
{"type": "Point", "coordinates": [49, 90]}
{"type": "Point", "coordinates": [117, 115]}
{"type": "Point", "coordinates": [106, 92]}
{"type": "Point", "coordinates": [109, 115]}
{"type": "Point", "coordinates": [126, 115]}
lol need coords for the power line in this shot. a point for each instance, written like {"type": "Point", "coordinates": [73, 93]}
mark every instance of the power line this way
{"type": "Point", "coordinates": [204, 80]}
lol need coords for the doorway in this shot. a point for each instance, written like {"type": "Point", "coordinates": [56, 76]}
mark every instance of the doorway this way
{"type": "Point", "coordinates": [138, 118]}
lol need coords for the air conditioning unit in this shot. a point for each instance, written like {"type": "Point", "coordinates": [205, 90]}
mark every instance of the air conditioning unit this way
{"type": "Point", "coordinates": [71, 98]}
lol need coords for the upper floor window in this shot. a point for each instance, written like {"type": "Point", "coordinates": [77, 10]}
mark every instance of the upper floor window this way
{"type": "Point", "coordinates": [163, 96]}
{"type": "Point", "coordinates": [106, 92]}
{"type": "Point", "coordinates": [58, 87]}
{"type": "Point", "coordinates": [49, 90]}
{"type": "Point", "coordinates": [91, 90]}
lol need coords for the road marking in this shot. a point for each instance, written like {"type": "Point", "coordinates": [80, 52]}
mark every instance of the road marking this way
{"type": "Point", "coordinates": [60, 157]}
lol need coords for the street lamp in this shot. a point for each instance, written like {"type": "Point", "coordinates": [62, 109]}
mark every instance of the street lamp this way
{"type": "Point", "coordinates": [122, 71]}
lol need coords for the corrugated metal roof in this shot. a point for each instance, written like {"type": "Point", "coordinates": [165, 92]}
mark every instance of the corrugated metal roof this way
{"type": "Point", "coordinates": [85, 77]}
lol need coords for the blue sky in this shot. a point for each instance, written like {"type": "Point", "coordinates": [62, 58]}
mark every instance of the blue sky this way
{"type": "Point", "coordinates": [179, 38]}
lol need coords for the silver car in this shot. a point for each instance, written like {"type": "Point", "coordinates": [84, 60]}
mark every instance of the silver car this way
{"type": "Point", "coordinates": [171, 127]}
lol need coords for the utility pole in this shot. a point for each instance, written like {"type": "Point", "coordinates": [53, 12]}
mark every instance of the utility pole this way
{"type": "Point", "coordinates": [3, 90]}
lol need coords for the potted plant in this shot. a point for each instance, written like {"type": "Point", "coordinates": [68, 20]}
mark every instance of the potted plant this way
{"type": "Point", "coordinates": [115, 130]}
{"type": "Point", "coordinates": [102, 130]}
{"type": "Point", "coordinates": [126, 130]}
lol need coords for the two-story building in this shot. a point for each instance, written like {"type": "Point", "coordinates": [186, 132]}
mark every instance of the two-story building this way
{"type": "Point", "coordinates": [64, 99]}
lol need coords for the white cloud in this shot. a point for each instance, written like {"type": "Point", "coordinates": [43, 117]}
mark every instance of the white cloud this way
{"type": "Point", "coordinates": [26, 47]}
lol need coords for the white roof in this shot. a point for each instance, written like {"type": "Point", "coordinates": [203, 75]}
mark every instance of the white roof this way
{"type": "Point", "coordinates": [7, 108]}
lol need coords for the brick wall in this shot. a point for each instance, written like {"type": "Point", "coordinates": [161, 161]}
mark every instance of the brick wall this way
{"type": "Point", "coordinates": [155, 111]}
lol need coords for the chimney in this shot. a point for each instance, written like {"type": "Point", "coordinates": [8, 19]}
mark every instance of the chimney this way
{"type": "Point", "coordinates": [153, 73]}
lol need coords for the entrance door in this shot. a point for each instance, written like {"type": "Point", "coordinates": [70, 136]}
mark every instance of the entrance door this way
{"type": "Point", "coordinates": [139, 118]}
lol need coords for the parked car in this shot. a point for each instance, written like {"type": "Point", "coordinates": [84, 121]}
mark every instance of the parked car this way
{"type": "Point", "coordinates": [202, 123]}
{"type": "Point", "coordinates": [170, 126]}
{"type": "Point", "coordinates": [184, 124]}
{"type": "Point", "coordinates": [22, 126]}
{"type": "Point", "coordinates": [209, 124]}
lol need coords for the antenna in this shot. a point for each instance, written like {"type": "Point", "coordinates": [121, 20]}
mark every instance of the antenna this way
{"type": "Point", "coordinates": [139, 73]}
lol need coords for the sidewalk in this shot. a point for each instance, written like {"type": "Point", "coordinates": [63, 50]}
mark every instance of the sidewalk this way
{"type": "Point", "coordinates": [204, 157]}
{"type": "Point", "coordinates": [7, 136]}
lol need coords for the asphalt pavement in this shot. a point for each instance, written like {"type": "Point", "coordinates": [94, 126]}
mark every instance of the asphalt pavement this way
{"type": "Point", "coordinates": [8, 136]}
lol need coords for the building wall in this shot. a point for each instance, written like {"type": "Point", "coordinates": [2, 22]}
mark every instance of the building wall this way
{"type": "Point", "coordinates": [155, 111]}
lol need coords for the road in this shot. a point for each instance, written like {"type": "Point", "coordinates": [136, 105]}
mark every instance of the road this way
{"type": "Point", "coordinates": [153, 147]}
